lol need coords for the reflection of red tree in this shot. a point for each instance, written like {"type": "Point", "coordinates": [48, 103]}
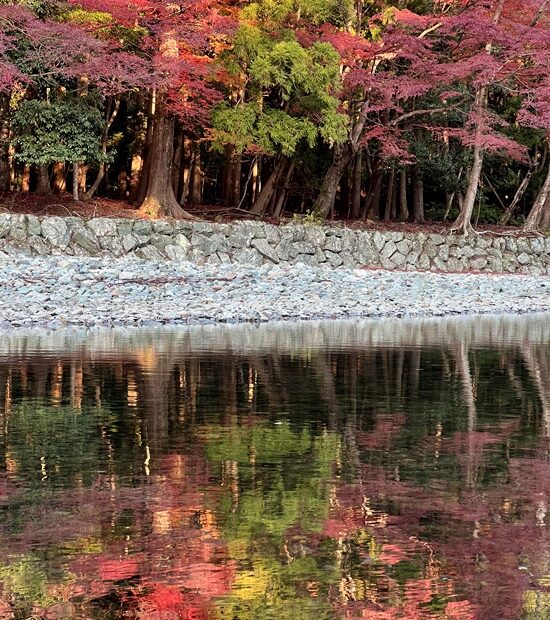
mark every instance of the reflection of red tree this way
{"type": "Point", "coordinates": [485, 538]}
{"type": "Point", "coordinates": [169, 563]}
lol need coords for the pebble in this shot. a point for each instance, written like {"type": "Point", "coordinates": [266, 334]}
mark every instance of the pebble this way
{"type": "Point", "coordinates": [53, 291]}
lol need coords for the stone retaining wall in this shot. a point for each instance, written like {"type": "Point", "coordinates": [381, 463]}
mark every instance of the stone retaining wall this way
{"type": "Point", "coordinates": [257, 243]}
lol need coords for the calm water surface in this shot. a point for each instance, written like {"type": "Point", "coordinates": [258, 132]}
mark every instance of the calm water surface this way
{"type": "Point", "coordinates": [345, 470]}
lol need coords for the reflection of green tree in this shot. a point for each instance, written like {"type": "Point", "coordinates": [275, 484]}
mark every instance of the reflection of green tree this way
{"type": "Point", "coordinates": [54, 444]}
{"type": "Point", "coordinates": [282, 477]}
{"type": "Point", "coordinates": [26, 581]}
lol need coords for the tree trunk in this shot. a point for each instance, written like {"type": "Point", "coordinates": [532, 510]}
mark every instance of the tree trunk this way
{"type": "Point", "coordinates": [283, 191]}
{"type": "Point", "coordinates": [539, 211]}
{"type": "Point", "coordinates": [5, 159]}
{"type": "Point", "coordinates": [265, 196]}
{"type": "Point", "coordinates": [136, 166]}
{"type": "Point", "coordinates": [357, 182]}
{"type": "Point", "coordinates": [76, 168]}
{"type": "Point", "coordinates": [389, 195]}
{"type": "Point", "coordinates": [59, 178]}
{"type": "Point", "coordinates": [418, 197]}
{"type": "Point", "coordinates": [26, 178]}
{"type": "Point", "coordinates": [197, 177]}
{"type": "Point", "coordinates": [403, 206]}
{"type": "Point", "coordinates": [235, 193]}
{"type": "Point", "coordinates": [111, 115]}
{"type": "Point", "coordinates": [371, 210]}
{"type": "Point", "coordinates": [329, 188]}
{"type": "Point", "coordinates": [231, 180]}
{"type": "Point", "coordinates": [177, 164]}
{"type": "Point", "coordinates": [82, 178]}
{"type": "Point", "coordinates": [42, 180]}
{"type": "Point", "coordinates": [122, 181]}
{"type": "Point", "coordinates": [545, 221]}
{"type": "Point", "coordinates": [256, 179]}
{"type": "Point", "coordinates": [146, 154]}
{"type": "Point", "coordinates": [160, 200]}
{"type": "Point", "coordinates": [463, 222]}
{"type": "Point", "coordinates": [509, 211]}
{"type": "Point", "coordinates": [185, 170]}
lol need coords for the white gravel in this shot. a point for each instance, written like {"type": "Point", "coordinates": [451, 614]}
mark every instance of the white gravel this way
{"type": "Point", "coordinates": [59, 291]}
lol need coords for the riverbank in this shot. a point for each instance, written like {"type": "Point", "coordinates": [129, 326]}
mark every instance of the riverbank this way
{"type": "Point", "coordinates": [56, 291]}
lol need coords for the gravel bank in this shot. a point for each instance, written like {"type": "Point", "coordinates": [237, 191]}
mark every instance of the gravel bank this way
{"type": "Point", "coordinates": [58, 291]}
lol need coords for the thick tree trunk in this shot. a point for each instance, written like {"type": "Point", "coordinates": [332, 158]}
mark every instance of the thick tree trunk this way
{"type": "Point", "coordinates": [42, 180]}
{"type": "Point", "coordinates": [329, 188]}
{"type": "Point", "coordinates": [357, 182]}
{"type": "Point", "coordinates": [539, 211]}
{"type": "Point", "coordinates": [160, 200]}
{"type": "Point", "coordinates": [403, 205]}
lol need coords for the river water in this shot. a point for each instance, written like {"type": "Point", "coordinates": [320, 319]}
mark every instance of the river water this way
{"type": "Point", "coordinates": [383, 469]}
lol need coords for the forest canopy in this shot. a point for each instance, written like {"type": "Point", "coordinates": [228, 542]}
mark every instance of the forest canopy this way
{"type": "Point", "coordinates": [406, 111]}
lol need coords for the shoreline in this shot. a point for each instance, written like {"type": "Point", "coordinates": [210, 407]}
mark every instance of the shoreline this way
{"type": "Point", "coordinates": [61, 291]}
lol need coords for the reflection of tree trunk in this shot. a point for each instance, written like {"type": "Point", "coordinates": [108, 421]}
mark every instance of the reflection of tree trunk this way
{"type": "Point", "coordinates": [468, 392]}
{"type": "Point", "coordinates": [328, 389]}
{"type": "Point", "coordinates": [414, 371]}
{"type": "Point", "coordinates": [539, 370]}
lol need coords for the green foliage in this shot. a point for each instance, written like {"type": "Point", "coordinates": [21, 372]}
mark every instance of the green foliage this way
{"type": "Point", "coordinates": [66, 129]}
{"type": "Point", "coordinates": [310, 218]}
{"type": "Point", "coordinates": [290, 94]}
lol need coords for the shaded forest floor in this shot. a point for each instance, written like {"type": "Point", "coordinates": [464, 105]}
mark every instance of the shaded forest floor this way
{"type": "Point", "coordinates": [65, 205]}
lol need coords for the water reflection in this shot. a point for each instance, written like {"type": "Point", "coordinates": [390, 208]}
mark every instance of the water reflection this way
{"type": "Point", "coordinates": [333, 470]}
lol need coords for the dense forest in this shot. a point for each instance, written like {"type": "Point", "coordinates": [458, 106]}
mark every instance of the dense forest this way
{"type": "Point", "coordinates": [399, 110]}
